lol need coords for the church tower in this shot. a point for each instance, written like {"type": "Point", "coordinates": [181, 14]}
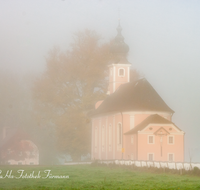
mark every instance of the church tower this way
{"type": "Point", "coordinates": [119, 69]}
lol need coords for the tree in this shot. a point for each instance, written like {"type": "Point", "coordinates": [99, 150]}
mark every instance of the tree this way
{"type": "Point", "coordinates": [70, 86]}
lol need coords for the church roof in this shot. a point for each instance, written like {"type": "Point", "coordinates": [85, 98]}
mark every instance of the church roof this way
{"type": "Point", "coordinates": [152, 119]}
{"type": "Point", "coordinates": [133, 96]}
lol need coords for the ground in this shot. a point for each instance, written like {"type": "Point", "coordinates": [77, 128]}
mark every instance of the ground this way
{"type": "Point", "coordinates": [96, 177]}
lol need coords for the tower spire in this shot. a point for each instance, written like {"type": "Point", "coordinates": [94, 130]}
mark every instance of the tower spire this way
{"type": "Point", "coordinates": [119, 48]}
{"type": "Point", "coordinates": [120, 67]}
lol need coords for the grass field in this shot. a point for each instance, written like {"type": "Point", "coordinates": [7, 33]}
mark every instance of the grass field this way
{"type": "Point", "coordinates": [95, 177]}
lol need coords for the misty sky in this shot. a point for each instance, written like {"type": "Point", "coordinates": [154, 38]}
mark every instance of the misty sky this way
{"type": "Point", "coordinates": [163, 36]}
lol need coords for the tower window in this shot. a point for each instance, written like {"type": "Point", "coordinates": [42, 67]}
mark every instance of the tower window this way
{"type": "Point", "coordinates": [121, 72]}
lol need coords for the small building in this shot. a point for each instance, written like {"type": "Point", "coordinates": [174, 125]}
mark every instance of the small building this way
{"type": "Point", "coordinates": [17, 148]}
{"type": "Point", "coordinates": [133, 122]}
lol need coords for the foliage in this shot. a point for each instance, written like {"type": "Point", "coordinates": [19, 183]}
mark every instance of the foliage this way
{"type": "Point", "coordinates": [69, 88]}
{"type": "Point", "coordinates": [18, 150]}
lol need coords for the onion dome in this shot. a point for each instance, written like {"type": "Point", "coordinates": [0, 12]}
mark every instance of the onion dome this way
{"type": "Point", "coordinates": [119, 46]}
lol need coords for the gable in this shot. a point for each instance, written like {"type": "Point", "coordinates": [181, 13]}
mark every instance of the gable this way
{"type": "Point", "coordinates": [161, 131]}
{"type": "Point", "coordinates": [152, 120]}
{"type": "Point", "coordinates": [171, 128]}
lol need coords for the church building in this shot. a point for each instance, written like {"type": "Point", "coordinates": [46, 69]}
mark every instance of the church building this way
{"type": "Point", "coordinates": [133, 122]}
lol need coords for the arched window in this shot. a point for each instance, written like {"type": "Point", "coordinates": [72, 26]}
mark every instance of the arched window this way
{"type": "Point", "coordinates": [119, 133]}
{"type": "Point", "coordinates": [103, 137]}
{"type": "Point", "coordinates": [110, 137]}
{"type": "Point", "coordinates": [121, 72]}
{"type": "Point", "coordinates": [96, 138]}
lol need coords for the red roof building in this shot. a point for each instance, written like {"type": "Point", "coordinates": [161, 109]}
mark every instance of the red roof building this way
{"type": "Point", "coordinates": [17, 148]}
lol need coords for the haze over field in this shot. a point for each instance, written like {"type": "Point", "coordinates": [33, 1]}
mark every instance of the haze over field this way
{"type": "Point", "coordinates": [163, 37]}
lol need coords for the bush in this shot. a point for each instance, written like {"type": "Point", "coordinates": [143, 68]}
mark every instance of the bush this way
{"type": "Point", "coordinates": [196, 171]}
{"type": "Point", "coordinates": [95, 163]}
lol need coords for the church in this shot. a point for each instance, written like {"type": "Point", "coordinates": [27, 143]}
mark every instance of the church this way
{"type": "Point", "coordinates": [133, 122]}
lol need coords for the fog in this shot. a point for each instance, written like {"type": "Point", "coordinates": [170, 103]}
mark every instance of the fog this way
{"type": "Point", "coordinates": [163, 37]}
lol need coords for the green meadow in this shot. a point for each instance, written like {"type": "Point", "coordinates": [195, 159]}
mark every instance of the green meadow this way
{"type": "Point", "coordinates": [94, 177]}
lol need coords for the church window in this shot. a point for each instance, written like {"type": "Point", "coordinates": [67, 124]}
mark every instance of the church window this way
{"type": "Point", "coordinates": [150, 139]}
{"type": "Point", "coordinates": [170, 157]}
{"type": "Point", "coordinates": [171, 140]}
{"type": "Point", "coordinates": [110, 137]}
{"type": "Point", "coordinates": [95, 138]}
{"type": "Point", "coordinates": [150, 157]}
{"type": "Point", "coordinates": [121, 72]}
{"type": "Point", "coordinates": [119, 133]}
{"type": "Point", "coordinates": [103, 138]}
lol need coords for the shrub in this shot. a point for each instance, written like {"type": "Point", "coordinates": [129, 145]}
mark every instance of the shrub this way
{"type": "Point", "coordinates": [95, 163]}
{"type": "Point", "coordinates": [196, 171]}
